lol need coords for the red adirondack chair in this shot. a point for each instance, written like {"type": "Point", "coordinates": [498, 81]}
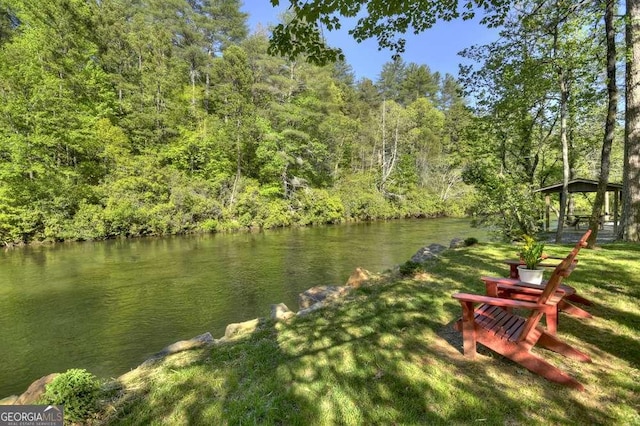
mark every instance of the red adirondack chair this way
{"type": "Point", "coordinates": [514, 289]}
{"type": "Point", "coordinates": [492, 324]}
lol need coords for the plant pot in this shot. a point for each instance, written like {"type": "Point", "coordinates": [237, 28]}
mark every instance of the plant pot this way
{"type": "Point", "coordinates": [530, 276]}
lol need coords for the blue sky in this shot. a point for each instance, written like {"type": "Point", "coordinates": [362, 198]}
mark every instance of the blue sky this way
{"type": "Point", "coordinates": [438, 47]}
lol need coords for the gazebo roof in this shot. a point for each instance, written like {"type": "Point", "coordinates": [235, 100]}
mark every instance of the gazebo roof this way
{"type": "Point", "coordinates": [579, 185]}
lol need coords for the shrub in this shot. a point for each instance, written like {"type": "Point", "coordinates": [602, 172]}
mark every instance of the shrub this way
{"type": "Point", "coordinates": [274, 214]}
{"type": "Point", "coordinates": [77, 390]}
{"type": "Point", "coordinates": [361, 200]}
{"type": "Point", "coordinates": [419, 203]}
{"type": "Point", "coordinates": [88, 222]}
{"type": "Point", "coordinates": [470, 241]}
{"type": "Point", "coordinates": [210, 225]}
{"type": "Point", "coordinates": [410, 268]}
{"type": "Point", "coordinates": [503, 202]}
{"type": "Point", "coordinates": [247, 206]}
{"type": "Point", "coordinates": [317, 206]}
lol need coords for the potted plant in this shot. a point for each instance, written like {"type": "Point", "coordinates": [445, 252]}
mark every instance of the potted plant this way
{"type": "Point", "coordinates": [531, 255]}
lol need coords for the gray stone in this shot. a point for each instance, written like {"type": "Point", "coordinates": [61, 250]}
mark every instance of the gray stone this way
{"type": "Point", "coordinates": [35, 390]}
{"type": "Point", "coordinates": [182, 345]}
{"type": "Point", "coordinates": [312, 308]}
{"type": "Point", "coordinates": [321, 294]}
{"type": "Point", "coordinates": [457, 243]}
{"type": "Point", "coordinates": [241, 328]}
{"type": "Point", "coordinates": [358, 277]}
{"type": "Point", "coordinates": [10, 400]}
{"type": "Point", "coordinates": [429, 252]}
{"type": "Point", "coordinates": [281, 312]}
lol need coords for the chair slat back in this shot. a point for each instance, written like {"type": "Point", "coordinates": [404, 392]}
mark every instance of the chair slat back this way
{"type": "Point", "coordinates": [561, 271]}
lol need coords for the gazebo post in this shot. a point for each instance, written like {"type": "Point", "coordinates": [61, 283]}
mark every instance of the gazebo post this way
{"type": "Point", "coordinates": [616, 202]}
{"type": "Point", "coordinates": [606, 206]}
{"type": "Point", "coordinates": [547, 211]}
{"type": "Point", "coordinates": [562, 201]}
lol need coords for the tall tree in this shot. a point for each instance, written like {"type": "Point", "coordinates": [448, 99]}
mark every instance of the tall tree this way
{"type": "Point", "coordinates": [515, 86]}
{"type": "Point", "coordinates": [391, 79]}
{"type": "Point", "coordinates": [419, 82]}
{"type": "Point", "coordinates": [233, 105]}
{"type": "Point", "coordinates": [610, 124]}
{"type": "Point", "coordinates": [544, 60]}
{"type": "Point", "coordinates": [630, 221]}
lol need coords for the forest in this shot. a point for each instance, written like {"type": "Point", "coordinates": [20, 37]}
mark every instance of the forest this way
{"type": "Point", "coordinates": [122, 118]}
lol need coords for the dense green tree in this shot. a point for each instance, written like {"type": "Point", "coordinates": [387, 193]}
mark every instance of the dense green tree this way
{"type": "Point", "coordinates": [52, 95]}
{"type": "Point", "coordinates": [513, 86]}
{"type": "Point", "coordinates": [232, 103]}
{"type": "Point", "coordinates": [367, 96]}
{"type": "Point", "coordinates": [390, 80]}
{"type": "Point", "coordinates": [540, 84]}
{"type": "Point", "coordinates": [418, 83]}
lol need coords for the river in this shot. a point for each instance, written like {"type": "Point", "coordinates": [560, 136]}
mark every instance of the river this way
{"type": "Point", "coordinates": [107, 306]}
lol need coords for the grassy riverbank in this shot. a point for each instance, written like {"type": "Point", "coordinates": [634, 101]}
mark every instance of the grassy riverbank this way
{"type": "Point", "coordinates": [388, 354]}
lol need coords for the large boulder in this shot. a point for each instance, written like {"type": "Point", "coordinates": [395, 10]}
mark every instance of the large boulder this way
{"type": "Point", "coordinates": [35, 390]}
{"type": "Point", "coordinates": [281, 312]}
{"type": "Point", "coordinates": [429, 252]}
{"type": "Point", "coordinates": [241, 328]}
{"type": "Point", "coordinates": [182, 345]}
{"type": "Point", "coordinates": [185, 345]}
{"type": "Point", "coordinates": [358, 277]}
{"type": "Point", "coordinates": [321, 294]}
{"type": "Point", "coordinates": [10, 400]}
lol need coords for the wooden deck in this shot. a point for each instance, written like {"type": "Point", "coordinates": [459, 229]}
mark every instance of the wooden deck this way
{"type": "Point", "coordinates": [572, 235]}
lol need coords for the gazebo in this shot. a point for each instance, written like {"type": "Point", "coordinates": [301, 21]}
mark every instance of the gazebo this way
{"type": "Point", "coordinates": [584, 185]}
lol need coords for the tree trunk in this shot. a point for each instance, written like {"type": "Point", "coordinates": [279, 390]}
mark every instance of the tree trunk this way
{"type": "Point", "coordinates": [192, 79]}
{"type": "Point", "coordinates": [630, 224]}
{"type": "Point", "coordinates": [207, 86]}
{"type": "Point", "coordinates": [610, 125]}
{"type": "Point", "coordinates": [564, 100]}
{"type": "Point", "coordinates": [234, 190]}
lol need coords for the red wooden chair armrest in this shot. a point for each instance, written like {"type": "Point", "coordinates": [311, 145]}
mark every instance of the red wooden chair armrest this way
{"type": "Point", "coordinates": [515, 285]}
{"type": "Point", "coordinates": [496, 301]}
{"type": "Point", "coordinates": [501, 280]}
{"type": "Point", "coordinates": [543, 264]}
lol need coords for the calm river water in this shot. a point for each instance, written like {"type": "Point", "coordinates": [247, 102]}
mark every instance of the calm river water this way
{"type": "Point", "coordinates": [107, 306]}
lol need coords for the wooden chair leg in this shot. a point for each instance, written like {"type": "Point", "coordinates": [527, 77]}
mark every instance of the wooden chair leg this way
{"type": "Point", "coordinates": [554, 344]}
{"type": "Point", "coordinates": [551, 319]}
{"type": "Point", "coordinates": [572, 309]}
{"type": "Point", "coordinates": [580, 299]}
{"type": "Point", "coordinates": [539, 366]}
{"type": "Point", "coordinates": [468, 330]}
{"type": "Point", "coordinates": [531, 362]}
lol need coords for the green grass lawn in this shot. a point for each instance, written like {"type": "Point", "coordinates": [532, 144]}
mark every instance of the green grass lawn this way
{"type": "Point", "coordinates": [389, 355]}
